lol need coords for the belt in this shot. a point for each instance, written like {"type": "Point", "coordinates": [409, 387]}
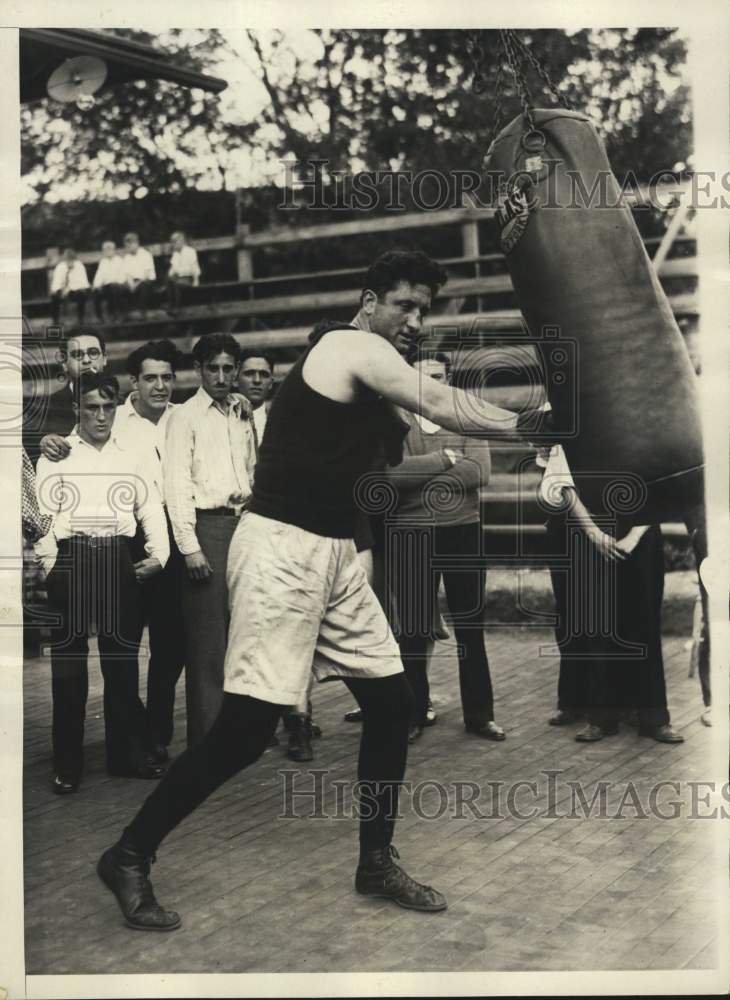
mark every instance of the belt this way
{"type": "Point", "coordinates": [218, 511]}
{"type": "Point", "coordinates": [91, 541]}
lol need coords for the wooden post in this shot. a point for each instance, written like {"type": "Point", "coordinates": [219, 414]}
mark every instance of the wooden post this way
{"type": "Point", "coordinates": [470, 248]}
{"type": "Point", "coordinates": [244, 256]}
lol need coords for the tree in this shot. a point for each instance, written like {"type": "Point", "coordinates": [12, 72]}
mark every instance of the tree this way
{"type": "Point", "coordinates": [404, 99]}
{"type": "Point", "coordinates": [360, 100]}
{"type": "Point", "coordinates": [148, 135]}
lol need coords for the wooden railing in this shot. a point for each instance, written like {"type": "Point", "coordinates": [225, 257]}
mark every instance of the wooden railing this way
{"type": "Point", "coordinates": [473, 302]}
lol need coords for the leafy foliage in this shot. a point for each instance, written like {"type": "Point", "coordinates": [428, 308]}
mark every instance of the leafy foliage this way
{"type": "Point", "coordinates": [359, 99]}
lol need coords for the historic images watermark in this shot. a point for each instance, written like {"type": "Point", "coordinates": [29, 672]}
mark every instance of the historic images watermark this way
{"type": "Point", "coordinates": [314, 794]}
{"type": "Point", "coordinates": [315, 184]}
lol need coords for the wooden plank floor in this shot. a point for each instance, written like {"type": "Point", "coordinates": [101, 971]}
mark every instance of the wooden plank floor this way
{"type": "Point", "coordinates": [259, 892]}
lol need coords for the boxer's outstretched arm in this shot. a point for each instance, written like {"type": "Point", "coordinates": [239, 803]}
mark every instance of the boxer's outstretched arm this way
{"type": "Point", "coordinates": [377, 364]}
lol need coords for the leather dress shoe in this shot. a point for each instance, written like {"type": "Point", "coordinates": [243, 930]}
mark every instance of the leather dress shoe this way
{"type": "Point", "coordinates": [355, 715]}
{"type": "Point", "coordinates": [157, 754]}
{"type": "Point", "coordinates": [64, 786]}
{"type": "Point", "coordinates": [300, 738]}
{"type": "Point", "coordinates": [592, 733]}
{"type": "Point", "coordinates": [147, 771]}
{"type": "Point", "coordinates": [487, 730]}
{"type": "Point", "coordinates": [378, 875]}
{"type": "Point", "coordinates": [563, 717]}
{"type": "Point", "coordinates": [431, 717]}
{"type": "Point", "coordinates": [126, 872]}
{"type": "Point", "coordinates": [415, 733]}
{"type": "Point", "coordinates": [662, 734]}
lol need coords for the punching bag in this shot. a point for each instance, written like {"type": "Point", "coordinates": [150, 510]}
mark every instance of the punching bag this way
{"type": "Point", "coordinates": [622, 389]}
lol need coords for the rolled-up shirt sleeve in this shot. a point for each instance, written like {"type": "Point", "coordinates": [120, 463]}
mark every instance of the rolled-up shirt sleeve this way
{"type": "Point", "coordinates": [46, 548]}
{"type": "Point", "coordinates": [178, 474]}
{"type": "Point", "coordinates": [151, 513]}
{"type": "Point", "coordinates": [556, 479]}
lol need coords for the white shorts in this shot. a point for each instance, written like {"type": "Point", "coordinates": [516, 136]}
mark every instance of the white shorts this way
{"type": "Point", "coordinates": [300, 603]}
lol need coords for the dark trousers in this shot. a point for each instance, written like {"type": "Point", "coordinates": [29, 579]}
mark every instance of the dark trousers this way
{"type": "Point", "coordinates": [696, 521]}
{"type": "Point", "coordinates": [241, 733]}
{"type": "Point", "coordinates": [112, 298]}
{"type": "Point", "coordinates": [205, 618]}
{"type": "Point", "coordinates": [609, 632]}
{"type": "Point", "coordinates": [162, 606]}
{"type": "Point", "coordinates": [140, 297]}
{"type": "Point", "coordinates": [177, 291]}
{"type": "Point", "coordinates": [93, 588]}
{"type": "Point", "coordinates": [420, 555]}
{"type": "Point", "coordinates": [574, 642]}
{"type": "Point", "coordinates": [77, 297]}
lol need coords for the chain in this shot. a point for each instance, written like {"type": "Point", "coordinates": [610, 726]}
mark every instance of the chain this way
{"type": "Point", "coordinates": [542, 71]}
{"type": "Point", "coordinates": [498, 96]}
{"type": "Point", "coordinates": [476, 51]}
{"type": "Point", "coordinates": [523, 91]}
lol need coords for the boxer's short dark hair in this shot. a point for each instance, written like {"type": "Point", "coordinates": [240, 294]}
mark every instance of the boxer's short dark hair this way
{"type": "Point", "coordinates": [106, 385]}
{"type": "Point", "coordinates": [390, 269]}
{"type": "Point", "coordinates": [154, 350]}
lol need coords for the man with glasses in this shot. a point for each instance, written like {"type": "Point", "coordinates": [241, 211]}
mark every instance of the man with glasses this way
{"type": "Point", "coordinates": [47, 420]}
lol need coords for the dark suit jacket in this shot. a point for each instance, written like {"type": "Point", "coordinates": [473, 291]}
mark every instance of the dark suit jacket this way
{"type": "Point", "coordinates": [51, 414]}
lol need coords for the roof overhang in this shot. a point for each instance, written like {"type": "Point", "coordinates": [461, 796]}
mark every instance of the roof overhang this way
{"type": "Point", "coordinates": [42, 50]}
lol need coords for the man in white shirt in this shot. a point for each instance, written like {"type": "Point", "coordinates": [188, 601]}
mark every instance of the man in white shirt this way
{"type": "Point", "coordinates": [256, 382]}
{"type": "Point", "coordinates": [109, 284]}
{"type": "Point", "coordinates": [97, 495]}
{"type": "Point", "coordinates": [209, 462]}
{"type": "Point", "coordinates": [184, 270]}
{"type": "Point", "coordinates": [139, 272]}
{"type": "Point", "coordinates": [141, 426]}
{"type": "Point", "coordinates": [69, 283]}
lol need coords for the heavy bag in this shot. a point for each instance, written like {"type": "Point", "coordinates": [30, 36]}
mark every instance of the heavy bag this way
{"type": "Point", "coordinates": [619, 377]}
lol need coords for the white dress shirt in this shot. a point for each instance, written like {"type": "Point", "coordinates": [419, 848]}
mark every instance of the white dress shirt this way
{"type": "Point", "coordinates": [184, 264]}
{"type": "Point", "coordinates": [110, 271]}
{"type": "Point", "coordinates": [260, 415]}
{"type": "Point", "coordinates": [71, 278]}
{"type": "Point", "coordinates": [139, 266]}
{"type": "Point", "coordinates": [136, 433]}
{"type": "Point", "coordinates": [100, 491]}
{"type": "Point", "coordinates": [209, 462]}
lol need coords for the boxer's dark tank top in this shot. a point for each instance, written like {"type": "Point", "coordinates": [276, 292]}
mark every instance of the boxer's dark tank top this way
{"type": "Point", "coordinates": [315, 449]}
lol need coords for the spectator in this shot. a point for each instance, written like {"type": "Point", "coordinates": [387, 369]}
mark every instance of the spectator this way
{"type": "Point", "coordinates": [110, 284]}
{"type": "Point", "coordinates": [139, 271]}
{"type": "Point", "coordinates": [209, 462]}
{"type": "Point", "coordinates": [47, 419]}
{"type": "Point", "coordinates": [438, 517]}
{"type": "Point", "coordinates": [69, 283]}
{"type": "Point", "coordinates": [609, 606]}
{"type": "Point", "coordinates": [184, 270]}
{"type": "Point", "coordinates": [96, 500]}
{"type": "Point", "coordinates": [141, 427]}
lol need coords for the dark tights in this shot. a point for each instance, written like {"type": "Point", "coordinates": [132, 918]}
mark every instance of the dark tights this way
{"type": "Point", "coordinates": [241, 733]}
